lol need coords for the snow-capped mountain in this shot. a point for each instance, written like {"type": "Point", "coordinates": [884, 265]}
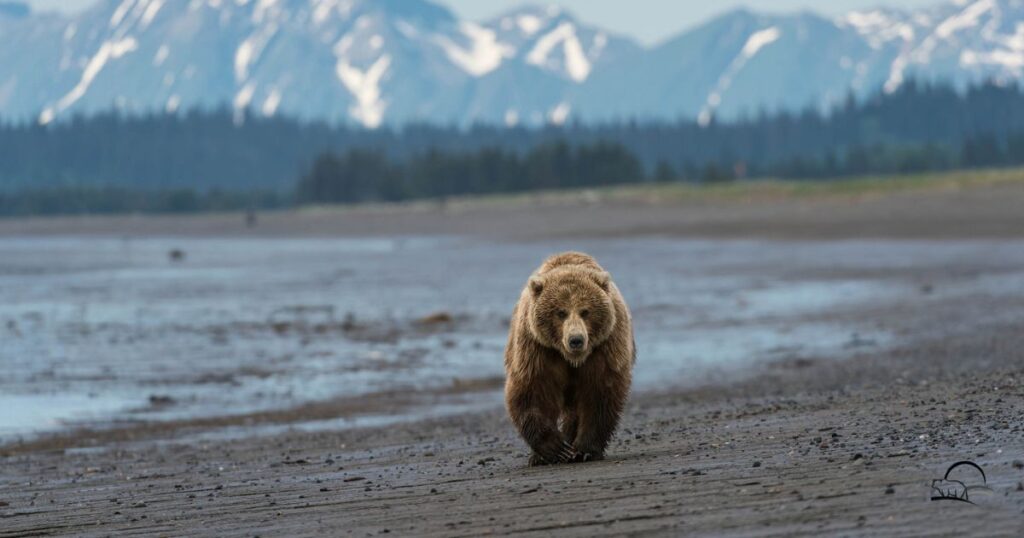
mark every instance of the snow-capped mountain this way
{"type": "Point", "coordinates": [740, 62]}
{"type": "Point", "coordinates": [743, 62]}
{"type": "Point", "coordinates": [367, 61]}
{"type": "Point", "coordinates": [961, 40]}
{"type": "Point", "coordinates": [551, 39]}
{"type": "Point", "coordinates": [374, 62]}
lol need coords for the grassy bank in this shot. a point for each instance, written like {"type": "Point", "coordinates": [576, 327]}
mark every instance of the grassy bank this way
{"type": "Point", "coordinates": [109, 201]}
{"type": "Point", "coordinates": [747, 191]}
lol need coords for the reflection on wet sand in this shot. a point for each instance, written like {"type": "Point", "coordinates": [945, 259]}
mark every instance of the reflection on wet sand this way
{"type": "Point", "coordinates": [102, 333]}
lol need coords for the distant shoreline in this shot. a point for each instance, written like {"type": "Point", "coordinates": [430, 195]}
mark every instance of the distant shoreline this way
{"type": "Point", "coordinates": [967, 204]}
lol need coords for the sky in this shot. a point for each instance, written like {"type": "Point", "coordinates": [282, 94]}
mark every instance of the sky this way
{"type": "Point", "coordinates": [649, 21]}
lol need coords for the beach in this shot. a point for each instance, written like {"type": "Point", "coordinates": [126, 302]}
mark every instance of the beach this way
{"type": "Point", "coordinates": [807, 365]}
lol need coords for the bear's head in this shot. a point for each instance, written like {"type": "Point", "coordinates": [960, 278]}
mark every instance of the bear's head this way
{"type": "Point", "coordinates": [572, 311]}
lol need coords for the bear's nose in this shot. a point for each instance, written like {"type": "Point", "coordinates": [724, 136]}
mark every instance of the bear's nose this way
{"type": "Point", "coordinates": [576, 342]}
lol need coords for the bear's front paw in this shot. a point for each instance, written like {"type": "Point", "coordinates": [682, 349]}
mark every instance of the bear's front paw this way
{"type": "Point", "coordinates": [536, 460]}
{"type": "Point", "coordinates": [556, 451]}
{"type": "Point", "coordinates": [567, 453]}
{"type": "Point", "coordinates": [583, 457]}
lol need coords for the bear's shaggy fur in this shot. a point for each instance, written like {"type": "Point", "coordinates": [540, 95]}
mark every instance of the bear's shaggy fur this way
{"type": "Point", "coordinates": [569, 360]}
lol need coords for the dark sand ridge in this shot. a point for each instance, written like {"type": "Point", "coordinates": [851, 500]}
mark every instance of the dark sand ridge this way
{"type": "Point", "coordinates": [807, 446]}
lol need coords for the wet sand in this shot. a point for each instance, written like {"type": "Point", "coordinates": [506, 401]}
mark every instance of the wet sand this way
{"type": "Point", "coordinates": [803, 445]}
{"type": "Point", "coordinates": [809, 448]}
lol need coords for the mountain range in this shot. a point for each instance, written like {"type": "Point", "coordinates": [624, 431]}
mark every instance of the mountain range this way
{"type": "Point", "coordinates": [395, 62]}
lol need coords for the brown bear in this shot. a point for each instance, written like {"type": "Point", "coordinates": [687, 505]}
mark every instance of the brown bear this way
{"type": "Point", "coordinates": [569, 360]}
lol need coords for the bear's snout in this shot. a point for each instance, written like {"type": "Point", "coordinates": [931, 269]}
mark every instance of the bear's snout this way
{"type": "Point", "coordinates": [574, 337]}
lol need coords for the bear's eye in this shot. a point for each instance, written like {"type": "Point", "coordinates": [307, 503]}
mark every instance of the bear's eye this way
{"type": "Point", "coordinates": [562, 314]}
{"type": "Point", "coordinates": [584, 313]}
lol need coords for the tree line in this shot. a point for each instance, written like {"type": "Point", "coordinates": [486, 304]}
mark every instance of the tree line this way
{"type": "Point", "coordinates": [102, 200]}
{"type": "Point", "coordinates": [367, 176]}
{"type": "Point", "coordinates": [364, 176]}
{"type": "Point", "coordinates": [200, 160]}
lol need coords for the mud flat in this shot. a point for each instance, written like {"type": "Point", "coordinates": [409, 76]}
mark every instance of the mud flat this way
{"type": "Point", "coordinates": [917, 363]}
{"type": "Point", "coordinates": [810, 448]}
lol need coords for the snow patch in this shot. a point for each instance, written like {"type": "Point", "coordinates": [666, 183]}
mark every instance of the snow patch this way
{"type": "Point", "coordinates": [343, 45]}
{"type": "Point", "coordinates": [1002, 58]}
{"type": "Point", "coordinates": [161, 55]}
{"type": "Point", "coordinates": [151, 11]}
{"type": "Point", "coordinates": [322, 11]}
{"type": "Point", "coordinates": [906, 32]}
{"type": "Point", "coordinates": [866, 21]}
{"type": "Point", "coordinates": [244, 96]}
{"type": "Point", "coordinates": [407, 29]}
{"type": "Point", "coordinates": [365, 87]}
{"type": "Point", "coordinates": [704, 118]}
{"type": "Point", "coordinates": [878, 27]}
{"type": "Point", "coordinates": [7, 89]}
{"type": "Point", "coordinates": [895, 80]}
{"type": "Point", "coordinates": [265, 10]}
{"type": "Point", "coordinates": [599, 44]}
{"type": "Point", "coordinates": [968, 18]}
{"type": "Point", "coordinates": [577, 66]}
{"type": "Point", "coordinates": [529, 24]}
{"type": "Point", "coordinates": [243, 56]}
{"type": "Point", "coordinates": [757, 41]}
{"type": "Point", "coordinates": [576, 62]}
{"type": "Point", "coordinates": [109, 50]}
{"type": "Point", "coordinates": [249, 50]}
{"type": "Point", "coordinates": [120, 13]}
{"type": "Point", "coordinates": [511, 117]}
{"type": "Point", "coordinates": [560, 113]}
{"type": "Point", "coordinates": [271, 103]}
{"type": "Point", "coordinates": [969, 58]}
{"type": "Point", "coordinates": [921, 19]}
{"type": "Point", "coordinates": [324, 8]}
{"type": "Point", "coordinates": [1016, 41]}
{"type": "Point", "coordinates": [1008, 53]}
{"type": "Point", "coordinates": [484, 55]}
{"type": "Point", "coordinates": [242, 100]}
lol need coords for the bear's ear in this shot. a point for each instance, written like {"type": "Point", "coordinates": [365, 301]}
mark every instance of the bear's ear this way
{"type": "Point", "coordinates": [603, 279]}
{"type": "Point", "coordinates": [536, 285]}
